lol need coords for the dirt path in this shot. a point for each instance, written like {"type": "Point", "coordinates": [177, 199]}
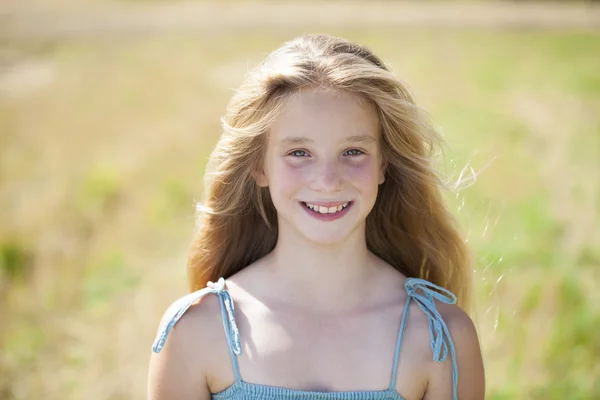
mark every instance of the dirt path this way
{"type": "Point", "coordinates": [66, 20]}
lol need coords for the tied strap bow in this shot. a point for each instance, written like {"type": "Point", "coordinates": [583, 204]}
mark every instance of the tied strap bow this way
{"type": "Point", "coordinates": [180, 306]}
{"type": "Point", "coordinates": [233, 334]}
{"type": "Point", "coordinates": [423, 293]}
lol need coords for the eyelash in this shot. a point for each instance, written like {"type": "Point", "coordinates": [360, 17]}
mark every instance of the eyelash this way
{"type": "Point", "coordinates": [305, 152]}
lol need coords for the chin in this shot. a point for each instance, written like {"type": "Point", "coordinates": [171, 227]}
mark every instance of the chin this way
{"type": "Point", "coordinates": [326, 236]}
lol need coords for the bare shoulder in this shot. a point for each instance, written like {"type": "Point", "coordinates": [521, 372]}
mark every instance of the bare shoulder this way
{"type": "Point", "coordinates": [179, 368]}
{"type": "Point", "coordinates": [470, 371]}
{"type": "Point", "coordinates": [458, 321]}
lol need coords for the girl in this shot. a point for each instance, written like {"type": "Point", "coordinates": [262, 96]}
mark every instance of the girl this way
{"type": "Point", "coordinates": [325, 218]}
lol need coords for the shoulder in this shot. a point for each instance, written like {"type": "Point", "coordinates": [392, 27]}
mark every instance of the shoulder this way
{"type": "Point", "coordinates": [441, 302]}
{"type": "Point", "coordinates": [187, 340]}
{"type": "Point", "coordinates": [470, 379]}
{"type": "Point", "coordinates": [462, 333]}
{"type": "Point", "coordinates": [431, 312]}
{"type": "Point", "coordinates": [186, 315]}
{"type": "Point", "coordinates": [455, 366]}
{"type": "Point", "coordinates": [459, 323]}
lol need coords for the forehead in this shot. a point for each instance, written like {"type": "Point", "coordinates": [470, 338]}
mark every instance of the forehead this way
{"type": "Point", "coordinates": [317, 113]}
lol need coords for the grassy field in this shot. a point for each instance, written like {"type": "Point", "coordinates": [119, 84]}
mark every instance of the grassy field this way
{"type": "Point", "coordinates": [103, 142]}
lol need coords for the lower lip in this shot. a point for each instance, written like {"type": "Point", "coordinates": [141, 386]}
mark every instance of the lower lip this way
{"type": "Point", "coordinates": [327, 217]}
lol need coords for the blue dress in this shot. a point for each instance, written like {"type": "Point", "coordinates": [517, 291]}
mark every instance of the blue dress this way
{"type": "Point", "coordinates": [420, 291]}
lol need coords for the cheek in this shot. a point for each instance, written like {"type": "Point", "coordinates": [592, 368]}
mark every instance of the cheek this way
{"type": "Point", "coordinates": [287, 178]}
{"type": "Point", "coordinates": [364, 174]}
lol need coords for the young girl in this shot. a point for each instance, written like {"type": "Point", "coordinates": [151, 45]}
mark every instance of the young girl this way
{"type": "Point", "coordinates": [323, 217]}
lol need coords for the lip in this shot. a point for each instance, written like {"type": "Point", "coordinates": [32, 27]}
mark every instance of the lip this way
{"type": "Point", "coordinates": [327, 203]}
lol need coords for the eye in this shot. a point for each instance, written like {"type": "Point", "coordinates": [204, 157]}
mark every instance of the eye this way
{"type": "Point", "coordinates": [354, 152]}
{"type": "Point", "coordinates": [298, 153]}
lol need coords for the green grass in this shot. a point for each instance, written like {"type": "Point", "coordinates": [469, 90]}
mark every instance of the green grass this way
{"type": "Point", "coordinates": [108, 158]}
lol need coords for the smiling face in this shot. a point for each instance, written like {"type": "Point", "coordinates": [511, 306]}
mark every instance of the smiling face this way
{"type": "Point", "coordinates": [323, 165]}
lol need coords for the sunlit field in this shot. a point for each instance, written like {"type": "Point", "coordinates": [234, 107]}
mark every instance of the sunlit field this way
{"type": "Point", "coordinates": [103, 143]}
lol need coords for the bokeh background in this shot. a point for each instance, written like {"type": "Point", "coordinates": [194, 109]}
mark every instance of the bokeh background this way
{"type": "Point", "coordinates": [109, 110]}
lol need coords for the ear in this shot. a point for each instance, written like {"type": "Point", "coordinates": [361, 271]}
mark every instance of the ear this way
{"type": "Point", "coordinates": [261, 178]}
{"type": "Point", "coordinates": [382, 171]}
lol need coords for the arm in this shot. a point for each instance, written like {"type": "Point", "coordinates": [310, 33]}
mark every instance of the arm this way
{"type": "Point", "coordinates": [471, 380]}
{"type": "Point", "coordinates": [177, 372]}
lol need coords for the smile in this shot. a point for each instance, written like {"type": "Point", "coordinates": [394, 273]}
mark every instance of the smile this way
{"type": "Point", "coordinates": [327, 211]}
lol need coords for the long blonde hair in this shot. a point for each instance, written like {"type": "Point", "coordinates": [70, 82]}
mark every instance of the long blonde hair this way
{"type": "Point", "coordinates": [409, 227]}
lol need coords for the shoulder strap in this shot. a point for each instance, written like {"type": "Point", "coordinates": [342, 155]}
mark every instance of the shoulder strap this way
{"type": "Point", "coordinates": [423, 293]}
{"type": "Point", "coordinates": [399, 343]}
{"type": "Point", "coordinates": [180, 306]}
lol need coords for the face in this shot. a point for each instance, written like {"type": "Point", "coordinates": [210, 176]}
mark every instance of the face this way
{"type": "Point", "coordinates": [323, 165]}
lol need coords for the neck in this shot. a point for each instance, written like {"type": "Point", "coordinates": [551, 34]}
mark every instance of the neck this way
{"type": "Point", "coordinates": [321, 276]}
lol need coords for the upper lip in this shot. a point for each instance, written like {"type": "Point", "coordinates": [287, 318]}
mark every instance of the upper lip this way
{"type": "Point", "coordinates": [327, 203]}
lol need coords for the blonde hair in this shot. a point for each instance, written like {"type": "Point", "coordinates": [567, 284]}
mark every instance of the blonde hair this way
{"type": "Point", "coordinates": [409, 227]}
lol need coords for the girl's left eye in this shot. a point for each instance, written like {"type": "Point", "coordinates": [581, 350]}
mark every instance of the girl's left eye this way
{"type": "Point", "coordinates": [353, 152]}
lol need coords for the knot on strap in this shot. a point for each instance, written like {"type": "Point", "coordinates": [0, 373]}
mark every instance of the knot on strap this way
{"type": "Point", "coordinates": [217, 286]}
{"type": "Point", "coordinates": [423, 293]}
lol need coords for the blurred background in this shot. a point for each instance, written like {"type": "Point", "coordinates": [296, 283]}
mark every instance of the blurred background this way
{"type": "Point", "coordinates": [109, 110]}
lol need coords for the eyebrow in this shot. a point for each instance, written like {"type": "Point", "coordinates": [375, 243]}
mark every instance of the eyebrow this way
{"type": "Point", "coordinates": [297, 140]}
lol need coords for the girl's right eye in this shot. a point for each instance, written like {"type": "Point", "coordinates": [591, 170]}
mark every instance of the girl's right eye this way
{"type": "Point", "coordinates": [298, 153]}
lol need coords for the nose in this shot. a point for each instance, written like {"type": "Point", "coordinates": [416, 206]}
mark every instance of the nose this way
{"type": "Point", "coordinates": [327, 178]}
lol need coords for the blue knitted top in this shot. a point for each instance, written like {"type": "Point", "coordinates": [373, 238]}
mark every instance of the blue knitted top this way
{"type": "Point", "coordinates": [420, 291]}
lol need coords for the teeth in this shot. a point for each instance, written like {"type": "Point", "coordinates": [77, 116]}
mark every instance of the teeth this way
{"type": "Point", "coordinates": [326, 210]}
